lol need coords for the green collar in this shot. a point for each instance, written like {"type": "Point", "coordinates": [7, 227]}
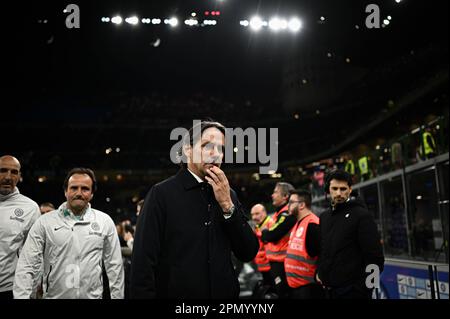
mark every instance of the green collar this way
{"type": "Point", "coordinates": [68, 213]}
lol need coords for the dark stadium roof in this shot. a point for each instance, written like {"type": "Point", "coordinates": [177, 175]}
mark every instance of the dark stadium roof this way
{"type": "Point", "coordinates": [83, 80]}
{"type": "Point", "coordinates": [223, 57]}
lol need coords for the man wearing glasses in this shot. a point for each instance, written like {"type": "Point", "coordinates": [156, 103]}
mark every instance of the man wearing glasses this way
{"type": "Point", "coordinates": [303, 248]}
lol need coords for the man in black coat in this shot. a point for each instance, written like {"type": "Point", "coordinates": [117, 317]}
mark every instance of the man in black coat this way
{"type": "Point", "coordinates": [190, 225]}
{"type": "Point", "coordinates": [349, 243]}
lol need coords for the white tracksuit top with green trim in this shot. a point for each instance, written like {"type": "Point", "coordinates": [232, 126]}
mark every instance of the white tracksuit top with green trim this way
{"type": "Point", "coordinates": [71, 252]}
{"type": "Point", "coordinates": [17, 215]}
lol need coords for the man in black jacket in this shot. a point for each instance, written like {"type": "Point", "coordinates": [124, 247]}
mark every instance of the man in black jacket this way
{"type": "Point", "coordinates": [189, 226]}
{"type": "Point", "coordinates": [349, 242]}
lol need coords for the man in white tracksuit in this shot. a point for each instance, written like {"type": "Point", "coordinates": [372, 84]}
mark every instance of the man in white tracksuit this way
{"type": "Point", "coordinates": [72, 242]}
{"type": "Point", "coordinates": [17, 215]}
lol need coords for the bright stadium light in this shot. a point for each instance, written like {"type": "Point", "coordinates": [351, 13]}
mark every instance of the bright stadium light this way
{"type": "Point", "coordinates": [209, 22]}
{"type": "Point", "coordinates": [275, 24]}
{"type": "Point", "coordinates": [132, 20]}
{"type": "Point", "coordinates": [190, 22]}
{"type": "Point", "coordinates": [173, 22]}
{"type": "Point", "coordinates": [295, 25]}
{"type": "Point", "coordinates": [244, 23]}
{"type": "Point", "coordinates": [156, 21]}
{"type": "Point", "coordinates": [117, 20]}
{"type": "Point", "coordinates": [256, 23]}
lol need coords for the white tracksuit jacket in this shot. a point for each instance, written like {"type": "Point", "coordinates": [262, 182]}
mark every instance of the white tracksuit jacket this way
{"type": "Point", "coordinates": [17, 215]}
{"type": "Point", "coordinates": [71, 252]}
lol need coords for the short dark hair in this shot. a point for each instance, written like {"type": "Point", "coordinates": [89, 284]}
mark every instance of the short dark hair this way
{"type": "Point", "coordinates": [304, 195]}
{"type": "Point", "coordinates": [189, 137]}
{"type": "Point", "coordinates": [81, 170]}
{"type": "Point", "coordinates": [339, 175]}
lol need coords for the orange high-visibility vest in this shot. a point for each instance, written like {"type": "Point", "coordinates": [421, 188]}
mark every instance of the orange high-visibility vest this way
{"type": "Point", "coordinates": [299, 266]}
{"type": "Point", "coordinates": [276, 252]}
{"type": "Point", "coordinates": [261, 261]}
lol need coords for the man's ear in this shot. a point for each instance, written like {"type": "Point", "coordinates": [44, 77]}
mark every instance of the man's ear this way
{"type": "Point", "coordinates": [187, 150]}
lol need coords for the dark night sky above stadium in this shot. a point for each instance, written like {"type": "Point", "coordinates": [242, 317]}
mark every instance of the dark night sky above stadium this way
{"type": "Point", "coordinates": [226, 57]}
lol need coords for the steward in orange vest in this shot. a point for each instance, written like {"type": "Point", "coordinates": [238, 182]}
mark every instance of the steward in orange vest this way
{"type": "Point", "coordinates": [276, 237]}
{"type": "Point", "coordinates": [303, 248]}
{"type": "Point", "coordinates": [262, 220]}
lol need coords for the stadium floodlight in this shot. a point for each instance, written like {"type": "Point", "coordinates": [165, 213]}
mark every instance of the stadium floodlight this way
{"type": "Point", "coordinates": [386, 21]}
{"type": "Point", "coordinates": [295, 24]}
{"type": "Point", "coordinates": [132, 20]}
{"type": "Point", "coordinates": [117, 20]}
{"type": "Point", "coordinates": [190, 22]}
{"type": "Point", "coordinates": [209, 22]}
{"type": "Point", "coordinates": [156, 21]}
{"type": "Point", "coordinates": [275, 24]}
{"type": "Point", "coordinates": [244, 23]}
{"type": "Point", "coordinates": [173, 22]}
{"type": "Point", "coordinates": [256, 23]}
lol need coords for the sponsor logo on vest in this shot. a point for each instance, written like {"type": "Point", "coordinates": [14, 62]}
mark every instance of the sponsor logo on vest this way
{"type": "Point", "coordinates": [299, 232]}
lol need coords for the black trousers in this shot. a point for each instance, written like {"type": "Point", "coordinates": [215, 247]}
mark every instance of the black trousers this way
{"type": "Point", "coordinates": [311, 291]}
{"type": "Point", "coordinates": [267, 278]}
{"type": "Point", "coordinates": [350, 292]}
{"type": "Point", "coordinates": [279, 279]}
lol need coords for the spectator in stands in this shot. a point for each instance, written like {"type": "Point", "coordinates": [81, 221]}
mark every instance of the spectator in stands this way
{"type": "Point", "coordinates": [350, 165]}
{"type": "Point", "coordinates": [17, 214]}
{"type": "Point", "coordinates": [276, 237]}
{"type": "Point", "coordinates": [71, 244]}
{"type": "Point", "coordinates": [318, 180]}
{"type": "Point", "coordinates": [397, 155]}
{"type": "Point", "coordinates": [365, 172]}
{"type": "Point", "coordinates": [428, 146]}
{"type": "Point", "coordinates": [139, 206]}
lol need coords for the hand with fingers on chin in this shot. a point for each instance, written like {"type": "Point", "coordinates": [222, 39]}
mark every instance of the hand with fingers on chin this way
{"type": "Point", "coordinates": [219, 182]}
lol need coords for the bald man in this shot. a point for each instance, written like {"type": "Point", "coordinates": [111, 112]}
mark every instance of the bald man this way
{"type": "Point", "coordinates": [261, 219]}
{"type": "Point", "coordinates": [17, 215]}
